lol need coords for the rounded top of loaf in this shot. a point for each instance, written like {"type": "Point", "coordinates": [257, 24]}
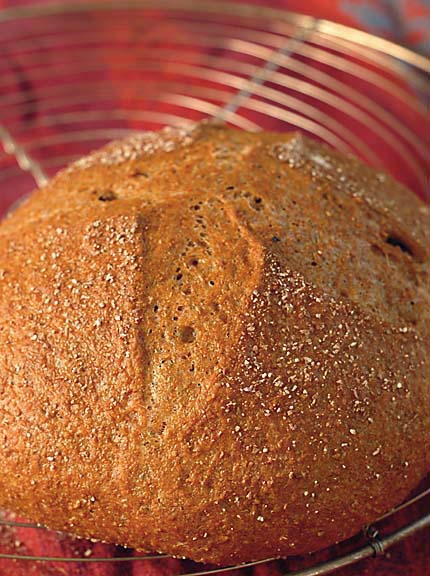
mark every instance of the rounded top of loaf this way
{"type": "Point", "coordinates": [216, 345]}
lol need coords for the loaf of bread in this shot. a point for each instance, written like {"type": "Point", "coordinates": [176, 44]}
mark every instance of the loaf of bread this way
{"type": "Point", "coordinates": [214, 344]}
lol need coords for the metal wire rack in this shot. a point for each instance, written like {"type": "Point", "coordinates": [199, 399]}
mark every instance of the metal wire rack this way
{"type": "Point", "coordinates": [75, 75]}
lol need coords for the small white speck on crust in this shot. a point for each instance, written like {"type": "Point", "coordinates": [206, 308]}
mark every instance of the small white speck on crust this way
{"type": "Point", "coordinates": [137, 145]}
{"type": "Point", "coordinates": [321, 161]}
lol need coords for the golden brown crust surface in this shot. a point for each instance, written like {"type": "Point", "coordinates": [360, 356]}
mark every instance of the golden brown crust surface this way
{"type": "Point", "coordinates": [214, 344]}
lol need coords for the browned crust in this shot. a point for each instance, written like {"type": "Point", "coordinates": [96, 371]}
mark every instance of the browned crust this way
{"type": "Point", "coordinates": [213, 344]}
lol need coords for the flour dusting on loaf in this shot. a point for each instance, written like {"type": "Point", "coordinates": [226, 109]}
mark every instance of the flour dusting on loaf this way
{"type": "Point", "coordinates": [133, 147]}
{"type": "Point", "coordinates": [214, 344]}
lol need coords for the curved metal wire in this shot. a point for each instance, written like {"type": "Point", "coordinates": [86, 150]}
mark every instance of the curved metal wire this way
{"type": "Point", "coordinates": [377, 545]}
{"type": "Point", "coordinates": [223, 8]}
{"type": "Point", "coordinates": [239, 40]}
{"type": "Point", "coordinates": [25, 162]}
{"type": "Point", "coordinates": [265, 62]}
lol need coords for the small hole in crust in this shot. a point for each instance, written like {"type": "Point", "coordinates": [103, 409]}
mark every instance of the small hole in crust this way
{"type": "Point", "coordinates": [137, 172]}
{"type": "Point", "coordinates": [107, 196]}
{"type": "Point", "coordinates": [398, 242]}
{"type": "Point", "coordinates": [187, 334]}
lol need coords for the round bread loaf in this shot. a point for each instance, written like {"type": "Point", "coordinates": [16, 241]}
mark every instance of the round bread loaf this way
{"type": "Point", "coordinates": [214, 344]}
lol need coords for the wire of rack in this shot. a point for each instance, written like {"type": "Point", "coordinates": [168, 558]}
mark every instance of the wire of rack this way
{"type": "Point", "coordinates": [69, 84]}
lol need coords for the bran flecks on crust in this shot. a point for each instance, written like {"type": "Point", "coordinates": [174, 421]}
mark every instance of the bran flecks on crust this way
{"type": "Point", "coordinates": [214, 344]}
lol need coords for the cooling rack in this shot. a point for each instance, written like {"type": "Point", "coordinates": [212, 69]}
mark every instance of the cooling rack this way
{"type": "Point", "coordinates": [75, 75]}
